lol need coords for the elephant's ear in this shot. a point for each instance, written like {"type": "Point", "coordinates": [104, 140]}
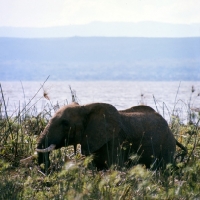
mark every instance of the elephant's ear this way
{"type": "Point", "coordinates": [102, 125]}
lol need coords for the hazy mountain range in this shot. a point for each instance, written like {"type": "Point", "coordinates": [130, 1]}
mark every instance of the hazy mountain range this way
{"type": "Point", "coordinates": [100, 58]}
{"type": "Point", "coordinates": [106, 29]}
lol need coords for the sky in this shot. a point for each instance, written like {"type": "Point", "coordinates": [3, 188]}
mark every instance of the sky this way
{"type": "Point", "coordinates": [48, 13]}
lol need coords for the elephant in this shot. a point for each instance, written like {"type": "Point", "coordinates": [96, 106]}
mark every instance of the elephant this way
{"type": "Point", "coordinates": [110, 135]}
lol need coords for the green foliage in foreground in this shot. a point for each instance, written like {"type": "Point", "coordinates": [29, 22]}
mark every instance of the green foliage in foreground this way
{"type": "Point", "coordinates": [73, 179]}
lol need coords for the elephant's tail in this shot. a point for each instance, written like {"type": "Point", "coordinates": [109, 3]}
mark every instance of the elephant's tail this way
{"type": "Point", "coordinates": [184, 153]}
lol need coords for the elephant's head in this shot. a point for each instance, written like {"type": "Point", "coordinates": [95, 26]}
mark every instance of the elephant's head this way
{"type": "Point", "coordinates": [91, 126]}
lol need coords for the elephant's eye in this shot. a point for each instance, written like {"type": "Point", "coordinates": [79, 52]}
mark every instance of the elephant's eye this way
{"type": "Point", "coordinates": [65, 122]}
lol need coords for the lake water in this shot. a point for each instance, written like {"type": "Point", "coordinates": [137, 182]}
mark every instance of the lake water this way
{"type": "Point", "coordinates": [165, 97]}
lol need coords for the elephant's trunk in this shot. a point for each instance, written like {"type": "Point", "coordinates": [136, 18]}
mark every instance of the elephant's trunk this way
{"type": "Point", "coordinates": [48, 149]}
{"type": "Point", "coordinates": [43, 154]}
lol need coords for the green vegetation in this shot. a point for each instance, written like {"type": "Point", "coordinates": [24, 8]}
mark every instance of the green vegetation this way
{"type": "Point", "coordinates": [71, 178]}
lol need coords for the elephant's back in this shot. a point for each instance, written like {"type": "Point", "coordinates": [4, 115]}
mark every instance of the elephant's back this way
{"type": "Point", "coordinates": [141, 108]}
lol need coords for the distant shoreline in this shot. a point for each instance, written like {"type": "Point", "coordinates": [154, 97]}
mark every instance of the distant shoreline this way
{"type": "Point", "coordinates": [100, 58]}
{"type": "Point", "coordinates": [106, 29]}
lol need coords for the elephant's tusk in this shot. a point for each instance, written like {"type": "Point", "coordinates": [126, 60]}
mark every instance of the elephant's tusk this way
{"type": "Point", "coordinates": [48, 149]}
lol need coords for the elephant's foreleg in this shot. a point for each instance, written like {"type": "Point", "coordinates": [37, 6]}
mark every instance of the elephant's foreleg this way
{"type": "Point", "coordinates": [44, 158]}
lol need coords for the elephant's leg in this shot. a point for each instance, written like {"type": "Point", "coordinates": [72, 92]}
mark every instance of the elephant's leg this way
{"type": "Point", "coordinates": [167, 156]}
{"type": "Point", "coordinates": [145, 157]}
{"type": "Point", "coordinates": [149, 155]}
{"type": "Point", "coordinates": [104, 157]}
{"type": "Point", "coordinates": [155, 157]}
{"type": "Point", "coordinates": [112, 153]}
{"type": "Point", "coordinates": [44, 158]}
{"type": "Point", "coordinates": [101, 159]}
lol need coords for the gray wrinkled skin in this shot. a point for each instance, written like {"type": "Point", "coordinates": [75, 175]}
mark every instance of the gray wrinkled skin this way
{"type": "Point", "coordinates": [112, 136]}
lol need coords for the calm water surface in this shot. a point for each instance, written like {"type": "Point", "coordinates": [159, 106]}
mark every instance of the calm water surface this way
{"type": "Point", "coordinates": [165, 97]}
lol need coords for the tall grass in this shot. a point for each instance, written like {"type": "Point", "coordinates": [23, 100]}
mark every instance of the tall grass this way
{"type": "Point", "coordinates": [70, 175]}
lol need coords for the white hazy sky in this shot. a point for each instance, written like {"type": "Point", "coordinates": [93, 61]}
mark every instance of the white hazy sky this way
{"type": "Point", "coordinates": [45, 13]}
